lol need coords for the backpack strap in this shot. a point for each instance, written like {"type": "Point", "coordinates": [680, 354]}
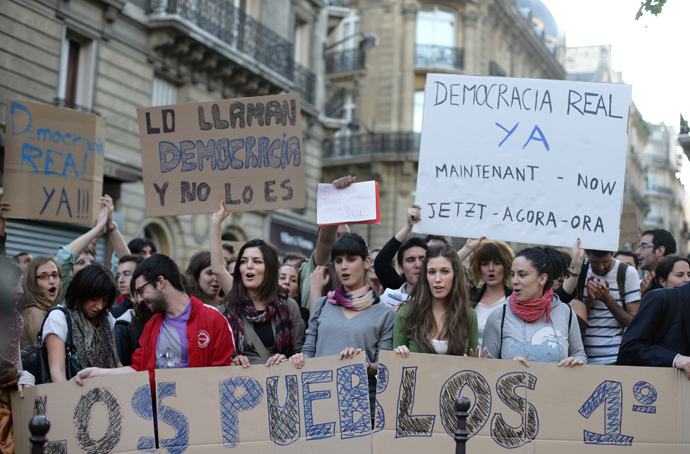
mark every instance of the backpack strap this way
{"type": "Point", "coordinates": [503, 320]}
{"type": "Point", "coordinates": [620, 279]}
{"type": "Point", "coordinates": [669, 315]}
{"type": "Point", "coordinates": [581, 279]}
{"type": "Point", "coordinates": [570, 319]}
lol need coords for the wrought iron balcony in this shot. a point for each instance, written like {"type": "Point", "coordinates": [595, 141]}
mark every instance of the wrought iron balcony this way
{"type": "Point", "coordinates": [241, 33]}
{"type": "Point", "coordinates": [663, 191]}
{"type": "Point", "coordinates": [658, 160]}
{"type": "Point", "coordinates": [428, 56]}
{"type": "Point", "coordinates": [346, 60]}
{"type": "Point", "coordinates": [62, 102]}
{"type": "Point", "coordinates": [339, 3]}
{"type": "Point", "coordinates": [638, 198]}
{"type": "Point", "coordinates": [335, 104]}
{"type": "Point", "coordinates": [305, 83]}
{"type": "Point", "coordinates": [372, 145]}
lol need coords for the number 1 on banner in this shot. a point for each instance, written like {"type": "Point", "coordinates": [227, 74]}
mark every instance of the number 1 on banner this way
{"type": "Point", "coordinates": [609, 393]}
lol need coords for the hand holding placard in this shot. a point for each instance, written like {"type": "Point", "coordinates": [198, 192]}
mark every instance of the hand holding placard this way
{"type": "Point", "coordinates": [356, 204]}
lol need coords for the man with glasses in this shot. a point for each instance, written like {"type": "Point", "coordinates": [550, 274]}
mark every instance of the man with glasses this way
{"type": "Point", "coordinates": [654, 245]}
{"type": "Point", "coordinates": [183, 332]}
{"type": "Point", "coordinates": [77, 255]}
{"type": "Point", "coordinates": [609, 308]}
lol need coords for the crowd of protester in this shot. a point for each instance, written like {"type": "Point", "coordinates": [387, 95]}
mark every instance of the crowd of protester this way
{"type": "Point", "coordinates": [413, 295]}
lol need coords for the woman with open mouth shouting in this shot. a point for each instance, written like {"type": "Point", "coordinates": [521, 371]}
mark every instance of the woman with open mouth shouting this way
{"type": "Point", "coordinates": [350, 319]}
{"type": "Point", "coordinates": [42, 288]}
{"type": "Point", "coordinates": [438, 318]}
{"type": "Point", "coordinates": [535, 325]}
{"type": "Point", "coordinates": [267, 325]}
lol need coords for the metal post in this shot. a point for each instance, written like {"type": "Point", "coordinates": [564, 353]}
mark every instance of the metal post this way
{"type": "Point", "coordinates": [462, 406]}
{"type": "Point", "coordinates": [39, 427]}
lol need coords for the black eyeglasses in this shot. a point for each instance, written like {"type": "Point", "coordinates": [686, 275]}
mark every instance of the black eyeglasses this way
{"type": "Point", "coordinates": [140, 290]}
{"type": "Point", "coordinates": [644, 246]}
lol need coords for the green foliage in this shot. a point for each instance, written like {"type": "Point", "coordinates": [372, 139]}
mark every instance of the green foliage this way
{"type": "Point", "coordinates": [650, 6]}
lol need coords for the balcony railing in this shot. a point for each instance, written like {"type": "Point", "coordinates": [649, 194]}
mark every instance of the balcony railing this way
{"type": "Point", "coordinates": [346, 60]}
{"type": "Point", "coordinates": [339, 3]}
{"type": "Point", "coordinates": [496, 70]}
{"type": "Point", "coordinates": [244, 34]}
{"type": "Point", "coordinates": [657, 160]}
{"type": "Point", "coordinates": [335, 105]}
{"type": "Point", "coordinates": [62, 102]}
{"type": "Point", "coordinates": [305, 83]}
{"type": "Point", "coordinates": [638, 198]}
{"type": "Point", "coordinates": [428, 56]}
{"type": "Point", "coordinates": [660, 190]}
{"type": "Point", "coordinates": [374, 144]}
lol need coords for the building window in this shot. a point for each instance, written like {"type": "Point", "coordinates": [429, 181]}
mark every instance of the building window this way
{"type": "Point", "coordinates": [164, 92]}
{"type": "Point", "coordinates": [302, 40]}
{"type": "Point", "coordinates": [435, 26]}
{"type": "Point", "coordinates": [418, 111]}
{"type": "Point", "coordinates": [77, 70]}
{"type": "Point", "coordinates": [349, 26]}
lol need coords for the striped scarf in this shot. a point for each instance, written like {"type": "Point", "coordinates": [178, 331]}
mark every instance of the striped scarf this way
{"type": "Point", "coordinates": [283, 320]}
{"type": "Point", "coordinates": [357, 300]}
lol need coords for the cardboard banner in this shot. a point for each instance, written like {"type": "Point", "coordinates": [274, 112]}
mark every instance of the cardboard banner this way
{"type": "Point", "coordinates": [324, 407]}
{"type": "Point", "coordinates": [356, 204]}
{"type": "Point", "coordinates": [248, 152]}
{"type": "Point", "coordinates": [53, 163]}
{"type": "Point", "coordinates": [532, 161]}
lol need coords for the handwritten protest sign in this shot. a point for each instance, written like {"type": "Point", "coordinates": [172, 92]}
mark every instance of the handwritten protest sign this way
{"type": "Point", "coordinates": [53, 163]}
{"type": "Point", "coordinates": [356, 204]}
{"type": "Point", "coordinates": [324, 407]}
{"type": "Point", "coordinates": [248, 152]}
{"type": "Point", "coordinates": [630, 232]}
{"type": "Point", "coordinates": [533, 161]}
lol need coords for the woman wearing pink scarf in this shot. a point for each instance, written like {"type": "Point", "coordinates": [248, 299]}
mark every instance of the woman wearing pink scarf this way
{"type": "Point", "coordinates": [535, 325]}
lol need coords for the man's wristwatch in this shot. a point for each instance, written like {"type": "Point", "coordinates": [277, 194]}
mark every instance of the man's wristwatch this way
{"type": "Point", "coordinates": [109, 230]}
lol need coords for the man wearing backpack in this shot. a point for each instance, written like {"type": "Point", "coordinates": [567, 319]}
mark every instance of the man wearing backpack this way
{"type": "Point", "coordinates": [612, 297]}
{"type": "Point", "coordinates": [659, 335]}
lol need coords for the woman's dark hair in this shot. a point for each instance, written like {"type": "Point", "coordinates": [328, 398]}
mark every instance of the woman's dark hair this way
{"type": "Point", "coordinates": [197, 263]}
{"type": "Point", "coordinates": [350, 245]}
{"type": "Point", "coordinates": [10, 272]}
{"type": "Point", "coordinates": [93, 282]}
{"type": "Point", "coordinates": [546, 260]}
{"type": "Point", "coordinates": [270, 289]}
{"type": "Point", "coordinates": [420, 324]}
{"type": "Point", "coordinates": [137, 245]}
{"type": "Point", "coordinates": [664, 269]}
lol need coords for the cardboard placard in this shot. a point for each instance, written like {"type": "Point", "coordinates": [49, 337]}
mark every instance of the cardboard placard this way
{"type": "Point", "coordinates": [106, 415]}
{"type": "Point", "coordinates": [630, 232]}
{"type": "Point", "coordinates": [248, 152]}
{"type": "Point", "coordinates": [324, 407]}
{"type": "Point", "coordinates": [356, 204]}
{"type": "Point", "coordinates": [532, 161]}
{"type": "Point", "coordinates": [53, 163]}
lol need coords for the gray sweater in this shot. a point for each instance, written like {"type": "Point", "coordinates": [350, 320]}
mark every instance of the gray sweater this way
{"type": "Point", "coordinates": [330, 332]}
{"type": "Point", "coordinates": [536, 341]}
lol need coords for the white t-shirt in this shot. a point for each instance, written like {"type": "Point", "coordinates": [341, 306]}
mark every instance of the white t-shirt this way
{"type": "Point", "coordinates": [483, 311]}
{"type": "Point", "coordinates": [56, 323]}
{"type": "Point", "coordinates": [604, 334]}
{"type": "Point", "coordinates": [441, 346]}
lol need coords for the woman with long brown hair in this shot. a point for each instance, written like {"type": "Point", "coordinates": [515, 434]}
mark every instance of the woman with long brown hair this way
{"type": "Point", "coordinates": [267, 325]}
{"type": "Point", "coordinates": [437, 318]}
{"type": "Point", "coordinates": [42, 289]}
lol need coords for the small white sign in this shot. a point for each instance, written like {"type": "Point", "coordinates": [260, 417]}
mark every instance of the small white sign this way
{"type": "Point", "coordinates": [526, 160]}
{"type": "Point", "coordinates": [357, 203]}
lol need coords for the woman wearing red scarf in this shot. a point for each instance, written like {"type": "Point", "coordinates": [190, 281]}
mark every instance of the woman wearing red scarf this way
{"type": "Point", "coordinates": [266, 323]}
{"type": "Point", "coordinates": [535, 325]}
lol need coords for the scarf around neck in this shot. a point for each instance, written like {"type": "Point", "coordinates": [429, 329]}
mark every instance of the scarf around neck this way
{"type": "Point", "coordinates": [12, 327]}
{"type": "Point", "coordinates": [93, 339]}
{"type": "Point", "coordinates": [283, 321]}
{"type": "Point", "coordinates": [358, 300]}
{"type": "Point", "coordinates": [531, 311]}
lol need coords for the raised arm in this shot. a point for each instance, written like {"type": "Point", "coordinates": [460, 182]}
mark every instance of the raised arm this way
{"type": "Point", "coordinates": [575, 267]}
{"type": "Point", "coordinates": [328, 233]}
{"type": "Point", "coordinates": [114, 234]}
{"type": "Point", "coordinates": [79, 244]}
{"type": "Point", "coordinates": [383, 266]}
{"type": "Point", "coordinates": [470, 245]}
{"type": "Point", "coordinates": [217, 261]}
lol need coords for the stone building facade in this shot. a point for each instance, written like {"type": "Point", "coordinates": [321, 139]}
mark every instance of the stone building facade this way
{"type": "Point", "coordinates": [383, 87]}
{"type": "Point", "coordinates": [114, 56]}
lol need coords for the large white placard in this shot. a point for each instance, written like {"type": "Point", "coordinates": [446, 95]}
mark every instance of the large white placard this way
{"type": "Point", "coordinates": [526, 160]}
